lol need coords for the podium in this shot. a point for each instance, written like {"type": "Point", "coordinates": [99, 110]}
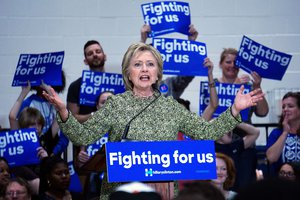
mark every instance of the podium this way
{"type": "Point", "coordinates": [155, 163]}
{"type": "Point", "coordinates": [97, 163]}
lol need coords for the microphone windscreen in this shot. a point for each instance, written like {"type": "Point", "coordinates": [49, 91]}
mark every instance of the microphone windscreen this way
{"type": "Point", "coordinates": [154, 86]}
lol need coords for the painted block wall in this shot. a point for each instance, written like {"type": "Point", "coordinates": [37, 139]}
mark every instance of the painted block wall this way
{"type": "Point", "coordinates": [33, 26]}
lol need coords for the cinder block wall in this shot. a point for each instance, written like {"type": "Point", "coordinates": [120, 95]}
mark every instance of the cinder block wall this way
{"type": "Point", "coordinates": [32, 26]}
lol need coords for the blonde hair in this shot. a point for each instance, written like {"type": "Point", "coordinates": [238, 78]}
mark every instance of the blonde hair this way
{"type": "Point", "coordinates": [227, 51]}
{"type": "Point", "coordinates": [132, 50]}
{"type": "Point", "coordinates": [30, 116]}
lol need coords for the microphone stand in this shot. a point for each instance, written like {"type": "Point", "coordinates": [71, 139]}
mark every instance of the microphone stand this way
{"type": "Point", "coordinates": [125, 133]}
{"type": "Point", "coordinates": [97, 163]}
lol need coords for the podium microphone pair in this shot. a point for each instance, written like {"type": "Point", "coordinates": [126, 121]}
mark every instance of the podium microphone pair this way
{"type": "Point", "coordinates": [124, 135]}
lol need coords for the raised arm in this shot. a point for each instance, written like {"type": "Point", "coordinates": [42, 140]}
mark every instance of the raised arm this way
{"type": "Point", "coordinates": [17, 105]}
{"type": "Point", "coordinates": [144, 32]}
{"type": "Point", "coordinates": [251, 136]}
{"type": "Point", "coordinates": [274, 152]}
{"type": "Point", "coordinates": [213, 97]}
{"type": "Point", "coordinates": [53, 98]}
{"type": "Point", "coordinates": [193, 32]}
{"type": "Point", "coordinates": [262, 107]}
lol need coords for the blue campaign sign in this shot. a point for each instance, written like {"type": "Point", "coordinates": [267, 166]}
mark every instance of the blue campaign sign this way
{"type": "Point", "coordinates": [167, 17]}
{"type": "Point", "coordinates": [226, 94]}
{"type": "Point", "coordinates": [75, 185]}
{"type": "Point", "coordinates": [182, 57]}
{"type": "Point", "coordinates": [160, 161]}
{"type": "Point", "coordinates": [94, 83]}
{"type": "Point", "coordinates": [267, 62]}
{"type": "Point", "coordinates": [38, 67]}
{"type": "Point", "coordinates": [19, 147]}
{"type": "Point", "coordinates": [93, 148]}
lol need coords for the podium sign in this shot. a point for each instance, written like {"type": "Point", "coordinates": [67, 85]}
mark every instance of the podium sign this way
{"type": "Point", "coordinates": [160, 161]}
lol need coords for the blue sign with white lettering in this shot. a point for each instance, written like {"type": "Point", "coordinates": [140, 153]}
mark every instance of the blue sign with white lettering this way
{"type": "Point", "coordinates": [19, 147]}
{"type": "Point", "coordinates": [160, 161]}
{"type": "Point", "coordinates": [226, 94]}
{"type": "Point", "coordinates": [94, 83]}
{"type": "Point", "coordinates": [182, 57]}
{"type": "Point", "coordinates": [38, 67]}
{"type": "Point", "coordinates": [167, 17]}
{"type": "Point", "coordinates": [91, 149]}
{"type": "Point", "coordinates": [75, 185]}
{"type": "Point", "coordinates": [267, 62]}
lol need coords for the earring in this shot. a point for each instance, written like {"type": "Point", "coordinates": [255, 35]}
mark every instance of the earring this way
{"type": "Point", "coordinates": [49, 183]}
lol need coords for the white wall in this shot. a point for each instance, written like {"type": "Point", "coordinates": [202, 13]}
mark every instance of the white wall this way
{"type": "Point", "coordinates": [34, 26]}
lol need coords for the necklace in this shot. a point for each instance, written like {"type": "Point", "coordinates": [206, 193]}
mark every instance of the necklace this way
{"type": "Point", "coordinates": [138, 94]}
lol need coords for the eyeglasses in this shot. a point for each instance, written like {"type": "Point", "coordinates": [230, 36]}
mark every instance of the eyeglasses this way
{"type": "Point", "coordinates": [287, 174]}
{"type": "Point", "coordinates": [15, 193]}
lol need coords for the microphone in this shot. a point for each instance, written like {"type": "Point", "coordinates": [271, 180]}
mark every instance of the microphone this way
{"type": "Point", "coordinates": [124, 135]}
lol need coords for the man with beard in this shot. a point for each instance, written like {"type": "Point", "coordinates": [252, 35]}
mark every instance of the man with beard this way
{"type": "Point", "coordinates": [95, 58]}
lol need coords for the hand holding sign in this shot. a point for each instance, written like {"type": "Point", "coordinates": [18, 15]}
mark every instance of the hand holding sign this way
{"type": "Point", "coordinates": [244, 78]}
{"type": "Point", "coordinates": [256, 79]}
{"type": "Point", "coordinates": [41, 153]}
{"type": "Point", "coordinates": [167, 17]}
{"type": "Point", "coordinates": [146, 30]}
{"type": "Point", "coordinates": [193, 33]}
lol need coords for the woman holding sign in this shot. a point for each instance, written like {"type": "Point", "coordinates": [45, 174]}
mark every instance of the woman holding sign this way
{"type": "Point", "coordinates": [230, 75]}
{"type": "Point", "coordinates": [147, 115]}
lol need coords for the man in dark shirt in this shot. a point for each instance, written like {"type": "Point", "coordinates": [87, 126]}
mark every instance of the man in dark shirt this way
{"type": "Point", "coordinates": [95, 58]}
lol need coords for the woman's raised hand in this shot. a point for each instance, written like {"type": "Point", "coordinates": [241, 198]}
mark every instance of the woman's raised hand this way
{"type": "Point", "coordinates": [243, 101]}
{"type": "Point", "coordinates": [53, 98]}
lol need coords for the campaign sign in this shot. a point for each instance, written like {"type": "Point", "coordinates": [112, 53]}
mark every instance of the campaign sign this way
{"type": "Point", "coordinates": [267, 62]}
{"type": "Point", "coordinates": [167, 17]}
{"type": "Point", "coordinates": [226, 94]}
{"type": "Point", "coordinates": [94, 83]}
{"type": "Point", "coordinates": [38, 67]}
{"type": "Point", "coordinates": [75, 185]}
{"type": "Point", "coordinates": [93, 148]}
{"type": "Point", "coordinates": [19, 147]}
{"type": "Point", "coordinates": [160, 161]}
{"type": "Point", "coordinates": [182, 57]}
